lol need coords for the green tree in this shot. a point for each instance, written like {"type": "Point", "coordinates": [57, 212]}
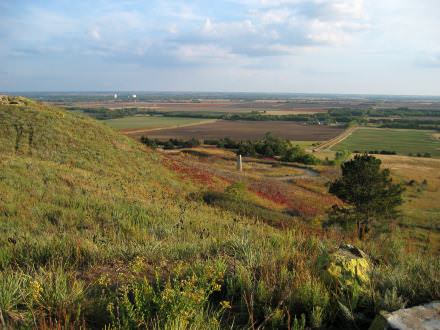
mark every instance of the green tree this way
{"type": "Point", "coordinates": [299, 155]}
{"type": "Point", "coordinates": [246, 149]}
{"type": "Point", "coordinates": [369, 190]}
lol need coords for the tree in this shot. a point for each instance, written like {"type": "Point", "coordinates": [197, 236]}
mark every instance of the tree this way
{"type": "Point", "coordinates": [369, 190]}
{"type": "Point", "coordinates": [246, 149]}
{"type": "Point", "coordinates": [299, 155]}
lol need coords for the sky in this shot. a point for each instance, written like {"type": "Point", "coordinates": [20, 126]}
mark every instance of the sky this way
{"type": "Point", "coordinates": [298, 46]}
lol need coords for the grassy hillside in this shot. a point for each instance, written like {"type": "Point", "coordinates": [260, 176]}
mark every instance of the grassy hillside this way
{"type": "Point", "coordinates": [98, 231]}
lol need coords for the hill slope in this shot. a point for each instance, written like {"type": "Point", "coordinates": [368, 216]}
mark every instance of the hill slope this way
{"type": "Point", "coordinates": [96, 231]}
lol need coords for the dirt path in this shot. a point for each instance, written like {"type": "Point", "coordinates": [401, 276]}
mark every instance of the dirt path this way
{"type": "Point", "coordinates": [144, 130]}
{"type": "Point", "coordinates": [341, 137]}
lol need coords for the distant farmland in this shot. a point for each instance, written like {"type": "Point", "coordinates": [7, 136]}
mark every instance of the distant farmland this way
{"type": "Point", "coordinates": [249, 130]}
{"type": "Point", "coordinates": [150, 122]}
{"type": "Point", "coordinates": [401, 141]}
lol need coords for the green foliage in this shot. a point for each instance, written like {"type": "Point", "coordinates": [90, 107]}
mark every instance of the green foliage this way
{"type": "Point", "coordinates": [246, 149]}
{"type": "Point", "coordinates": [236, 191]}
{"type": "Point", "coordinates": [312, 298]}
{"type": "Point", "coordinates": [170, 144]}
{"type": "Point", "coordinates": [298, 155]}
{"type": "Point", "coordinates": [271, 146]}
{"type": "Point", "coordinates": [56, 291]}
{"type": "Point", "coordinates": [369, 189]}
{"type": "Point", "coordinates": [183, 298]}
{"type": "Point", "coordinates": [12, 296]}
{"type": "Point", "coordinates": [391, 301]}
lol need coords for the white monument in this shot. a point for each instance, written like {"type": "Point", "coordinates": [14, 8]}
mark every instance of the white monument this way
{"type": "Point", "coordinates": [239, 163]}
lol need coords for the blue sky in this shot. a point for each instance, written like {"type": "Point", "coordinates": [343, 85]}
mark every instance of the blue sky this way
{"type": "Point", "coordinates": [315, 46]}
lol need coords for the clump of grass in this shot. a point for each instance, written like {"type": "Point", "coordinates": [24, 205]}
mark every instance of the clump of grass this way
{"type": "Point", "coordinates": [12, 297]}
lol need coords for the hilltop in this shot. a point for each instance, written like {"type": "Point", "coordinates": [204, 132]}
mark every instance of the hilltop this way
{"type": "Point", "coordinates": [98, 230]}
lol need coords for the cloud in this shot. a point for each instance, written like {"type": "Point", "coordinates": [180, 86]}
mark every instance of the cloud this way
{"type": "Point", "coordinates": [265, 28]}
{"type": "Point", "coordinates": [281, 40]}
{"type": "Point", "coordinates": [430, 61]}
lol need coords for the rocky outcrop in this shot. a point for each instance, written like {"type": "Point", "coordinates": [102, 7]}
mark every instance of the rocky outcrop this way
{"type": "Point", "coordinates": [346, 267]}
{"type": "Point", "coordinates": [13, 100]}
{"type": "Point", "coordinates": [424, 317]}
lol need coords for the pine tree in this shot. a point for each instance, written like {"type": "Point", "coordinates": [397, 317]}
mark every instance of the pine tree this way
{"type": "Point", "coordinates": [369, 190]}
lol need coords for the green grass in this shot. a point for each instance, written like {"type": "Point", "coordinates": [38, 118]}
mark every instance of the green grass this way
{"type": "Point", "coordinates": [401, 141]}
{"type": "Point", "coordinates": [150, 122]}
{"type": "Point", "coordinates": [97, 232]}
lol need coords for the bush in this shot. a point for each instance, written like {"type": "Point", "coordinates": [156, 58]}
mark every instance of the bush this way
{"type": "Point", "coordinates": [246, 149]}
{"type": "Point", "coordinates": [171, 143]}
{"type": "Point", "coordinates": [183, 299]}
{"type": "Point", "coordinates": [298, 155]}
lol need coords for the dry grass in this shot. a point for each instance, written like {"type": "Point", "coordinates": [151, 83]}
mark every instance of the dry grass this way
{"type": "Point", "coordinates": [421, 211]}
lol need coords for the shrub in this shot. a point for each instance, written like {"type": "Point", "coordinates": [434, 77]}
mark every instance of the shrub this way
{"type": "Point", "coordinates": [183, 299]}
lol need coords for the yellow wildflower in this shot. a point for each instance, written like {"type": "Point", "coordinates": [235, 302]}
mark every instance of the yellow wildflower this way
{"type": "Point", "coordinates": [225, 304]}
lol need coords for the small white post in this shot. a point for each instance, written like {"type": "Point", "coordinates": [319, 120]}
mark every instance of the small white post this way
{"type": "Point", "coordinates": [239, 163]}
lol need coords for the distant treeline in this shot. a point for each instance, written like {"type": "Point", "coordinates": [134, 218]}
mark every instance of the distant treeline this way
{"type": "Point", "coordinates": [170, 144]}
{"type": "Point", "coordinates": [411, 124]}
{"type": "Point", "coordinates": [377, 152]}
{"type": "Point", "coordinates": [269, 146]}
{"type": "Point", "coordinates": [105, 113]}
{"type": "Point", "coordinates": [389, 118]}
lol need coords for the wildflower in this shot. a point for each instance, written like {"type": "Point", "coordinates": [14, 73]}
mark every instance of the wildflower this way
{"type": "Point", "coordinates": [104, 280]}
{"type": "Point", "coordinates": [138, 264]}
{"type": "Point", "coordinates": [36, 290]}
{"type": "Point", "coordinates": [225, 304]}
{"type": "Point", "coordinates": [216, 287]}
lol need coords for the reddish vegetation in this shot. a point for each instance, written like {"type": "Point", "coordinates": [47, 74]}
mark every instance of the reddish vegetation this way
{"type": "Point", "coordinates": [192, 173]}
{"type": "Point", "coordinates": [305, 203]}
{"type": "Point", "coordinates": [270, 192]}
{"type": "Point", "coordinates": [304, 208]}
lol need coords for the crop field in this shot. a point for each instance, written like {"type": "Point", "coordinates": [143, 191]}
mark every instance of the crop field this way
{"type": "Point", "coordinates": [299, 111]}
{"type": "Point", "coordinates": [250, 130]}
{"type": "Point", "coordinates": [401, 141]}
{"type": "Point", "coordinates": [150, 122]}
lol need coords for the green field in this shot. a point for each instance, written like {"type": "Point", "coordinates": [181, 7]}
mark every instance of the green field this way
{"type": "Point", "coordinates": [151, 122]}
{"type": "Point", "coordinates": [401, 141]}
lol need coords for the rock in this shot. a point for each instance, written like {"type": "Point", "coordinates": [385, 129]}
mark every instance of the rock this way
{"type": "Point", "coordinates": [13, 100]}
{"type": "Point", "coordinates": [347, 267]}
{"type": "Point", "coordinates": [424, 317]}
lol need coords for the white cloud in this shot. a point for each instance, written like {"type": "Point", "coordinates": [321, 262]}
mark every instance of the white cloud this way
{"type": "Point", "coordinates": [280, 37]}
{"type": "Point", "coordinates": [94, 33]}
